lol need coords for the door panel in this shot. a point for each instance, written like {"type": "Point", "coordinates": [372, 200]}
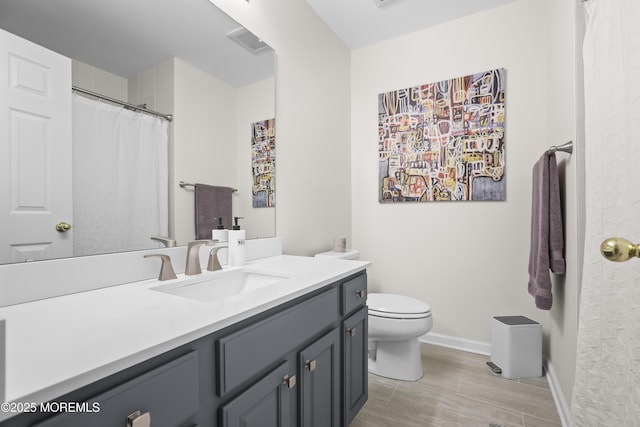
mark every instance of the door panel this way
{"type": "Point", "coordinates": [355, 339]}
{"type": "Point", "coordinates": [319, 367]}
{"type": "Point", "coordinates": [35, 147]}
{"type": "Point", "coordinates": [265, 404]}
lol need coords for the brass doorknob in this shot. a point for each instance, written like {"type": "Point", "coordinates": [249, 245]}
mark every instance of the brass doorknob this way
{"type": "Point", "coordinates": [63, 227]}
{"type": "Point", "coordinates": [618, 249]}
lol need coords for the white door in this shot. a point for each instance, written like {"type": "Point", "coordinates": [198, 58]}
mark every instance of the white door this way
{"type": "Point", "coordinates": [35, 151]}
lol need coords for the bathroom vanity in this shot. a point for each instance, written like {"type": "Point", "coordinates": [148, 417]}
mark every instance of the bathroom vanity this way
{"type": "Point", "coordinates": [291, 353]}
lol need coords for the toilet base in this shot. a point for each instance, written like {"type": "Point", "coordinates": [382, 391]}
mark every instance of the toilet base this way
{"type": "Point", "coordinates": [398, 360]}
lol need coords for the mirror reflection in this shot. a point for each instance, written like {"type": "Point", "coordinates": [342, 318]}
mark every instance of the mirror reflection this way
{"type": "Point", "coordinates": [116, 184]}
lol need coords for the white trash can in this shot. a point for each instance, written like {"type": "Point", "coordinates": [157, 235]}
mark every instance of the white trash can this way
{"type": "Point", "coordinates": [516, 346]}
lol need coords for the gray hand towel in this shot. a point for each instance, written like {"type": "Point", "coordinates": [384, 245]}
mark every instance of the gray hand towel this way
{"type": "Point", "coordinates": [211, 202]}
{"type": "Point", "coordinates": [547, 237]}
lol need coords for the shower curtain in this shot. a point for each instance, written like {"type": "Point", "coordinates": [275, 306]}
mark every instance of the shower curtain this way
{"type": "Point", "coordinates": [607, 382]}
{"type": "Point", "coordinates": [120, 178]}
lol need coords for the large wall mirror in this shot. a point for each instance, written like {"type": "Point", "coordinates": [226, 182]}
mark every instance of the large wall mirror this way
{"type": "Point", "coordinates": [173, 56]}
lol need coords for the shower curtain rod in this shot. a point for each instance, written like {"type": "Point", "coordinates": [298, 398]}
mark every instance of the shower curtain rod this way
{"type": "Point", "coordinates": [167, 117]}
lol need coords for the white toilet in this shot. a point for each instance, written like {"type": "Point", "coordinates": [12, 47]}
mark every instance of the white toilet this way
{"type": "Point", "coordinates": [395, 324]}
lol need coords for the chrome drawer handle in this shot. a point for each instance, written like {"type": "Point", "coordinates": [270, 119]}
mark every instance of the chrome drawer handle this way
{"type": "Point", "coordinates": [139, 420]}
{"type": "Point", "coordinates": [360, 293]}
{"type": "Point", "coordinates": [351, 332]}
{"type": "Point", "coordinates": [289, 381]}
{"type": "Point", "coordinates": [310, 365]}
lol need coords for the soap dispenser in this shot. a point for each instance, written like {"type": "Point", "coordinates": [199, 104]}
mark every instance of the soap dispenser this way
{"type": "Point", "coordinates": [219, 233]}
{"type": "Point", "coordinates": [237, 253]}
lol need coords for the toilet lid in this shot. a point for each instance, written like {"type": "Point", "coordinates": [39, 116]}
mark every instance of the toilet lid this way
{"type": "Point", "coordinates": [397, 306]}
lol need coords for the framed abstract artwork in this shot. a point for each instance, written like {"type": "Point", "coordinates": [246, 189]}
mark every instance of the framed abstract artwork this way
{"type": "Point", "coordinates": [443, 141]}
{"type": "Point", "coordinates": [263, 163]}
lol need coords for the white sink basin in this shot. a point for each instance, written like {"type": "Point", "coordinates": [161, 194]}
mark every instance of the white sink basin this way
{"type": "Point", "coordinates": [220, 285]}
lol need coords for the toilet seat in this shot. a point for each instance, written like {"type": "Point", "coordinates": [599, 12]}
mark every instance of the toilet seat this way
{"type": "Point", "coordinates": [393, 306]}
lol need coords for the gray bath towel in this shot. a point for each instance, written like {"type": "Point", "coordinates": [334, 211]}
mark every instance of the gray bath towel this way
{"type": "Point", "coordinates": [547, 237]}
{"type": "Point", "coordinates": [212, 202]}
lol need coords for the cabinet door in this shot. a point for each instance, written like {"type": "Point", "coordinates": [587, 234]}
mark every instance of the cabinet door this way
{"type": "Point", "coordinates": [265, 404]}
{"type": "Point", "coordinates": [319, 367]}
{"type": "Point", "coordinates": [355, 364]}
{"type": "Point", "coordinates": [169, 394]}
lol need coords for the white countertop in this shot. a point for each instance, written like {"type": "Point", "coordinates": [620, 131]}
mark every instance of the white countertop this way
{"type": "Point", "coordinates": [57, 345]}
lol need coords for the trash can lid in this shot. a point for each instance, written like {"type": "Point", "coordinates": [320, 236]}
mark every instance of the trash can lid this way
{"type": "Point", "coordinates": [515, 320]}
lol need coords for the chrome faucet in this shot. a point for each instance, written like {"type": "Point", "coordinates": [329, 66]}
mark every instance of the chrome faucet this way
{"type": "Point", "coordinates": [214, 262]}
{"type": "Point", "coordinates": [193, 256]}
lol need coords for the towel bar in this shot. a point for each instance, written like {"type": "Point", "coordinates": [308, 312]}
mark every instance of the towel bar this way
{"type": "Point", "coordinates": [566, 148]}
{"type": "Point", "coordinates": [183, 184]}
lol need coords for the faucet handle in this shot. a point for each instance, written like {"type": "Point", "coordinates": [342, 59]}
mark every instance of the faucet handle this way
{"type": "Point", "coordinates": [214, 261]}
{"type": "Point", "coordinates": [166, 269]}
{"type": "Point", "coordinates": [166, 241]}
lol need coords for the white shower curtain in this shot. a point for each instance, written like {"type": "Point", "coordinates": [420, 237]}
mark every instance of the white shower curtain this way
{"type": "Point", "coordinates": [120, 178]}
{"type": "Point", "coordinates": [607, 381]}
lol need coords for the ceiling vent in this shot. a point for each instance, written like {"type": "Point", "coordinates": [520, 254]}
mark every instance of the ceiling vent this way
{"type": "Point", "coordinates": [248, 40]}
{"type": "Point", "coordinates": [381, 3]}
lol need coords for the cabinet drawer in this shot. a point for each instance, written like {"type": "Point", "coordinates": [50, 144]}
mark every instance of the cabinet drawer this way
{"type": "Point", "coordinates": [168, 393]}
{"type": "Point", "coordinates": [243, 354]}
{"type": "Point", "coordinates": [354, 293]}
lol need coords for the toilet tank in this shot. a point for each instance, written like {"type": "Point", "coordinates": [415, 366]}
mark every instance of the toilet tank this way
{"type": "Point", "coordinates": [348, 254]}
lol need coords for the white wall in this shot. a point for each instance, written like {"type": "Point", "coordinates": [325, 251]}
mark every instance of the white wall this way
{"type": "Point", "coordinates": [204, 139]}
{"type": "Point", "coordinates": [91, 78]}
{"type": "Point", "coordinates": [251, 108]}
{"type": "Point", "coordinates": [469, 260]}
{"type": "Point", "coordinates": [565, 33]}
{"type": "Point", "coordinates": [313, 114]}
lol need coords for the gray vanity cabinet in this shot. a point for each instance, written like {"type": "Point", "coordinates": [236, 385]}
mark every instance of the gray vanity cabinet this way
{"type": "Point", "coordinates": [354, 346]}
{"type": "Point", "coordinates": [299, 364]}
{"type": "Point", "coordinates": [319, 367]}
{"type": "Point", "coordinates": [167, 395]}
{"type": "Point", "coordinates": [354, 364]}
{"type": "Point", "coordinates": [311, 369]}
{"type": "Point", "coordinates": [264, 404]}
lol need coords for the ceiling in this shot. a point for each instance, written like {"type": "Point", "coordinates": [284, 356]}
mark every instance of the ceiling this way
{"type": "Point", "coordinates": [125, 37]}
{"type": "Point", "coordinates": [359, 23]}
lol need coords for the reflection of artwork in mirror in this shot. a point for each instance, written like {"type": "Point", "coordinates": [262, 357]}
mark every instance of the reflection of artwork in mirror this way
{"type": "Point", "coordinates": [263, 163]}
{"type": "Point", "coordinates": [443, 140]}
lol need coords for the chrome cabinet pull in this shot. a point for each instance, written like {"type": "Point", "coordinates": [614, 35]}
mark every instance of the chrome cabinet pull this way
{"type": "Point", "coordinates": [289, 381]}
{"type": "Point", "coordinates": [351, 332]}
{"type": "Point", "coordinates": [310, 365]}
{"type": "Point", "coordinates": [360, 293]}
{"type": "Point", "coordinates": [139, 420]}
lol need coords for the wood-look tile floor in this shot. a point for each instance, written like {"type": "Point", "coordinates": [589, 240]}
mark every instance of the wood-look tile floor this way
{"type": "Point", "coordinates": [457, 390]}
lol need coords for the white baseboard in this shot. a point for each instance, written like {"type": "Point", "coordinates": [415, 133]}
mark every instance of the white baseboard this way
{"type": "Point", "coordinates": [463, 344]}
{"type": "Point", "coordinates": [563, 407]}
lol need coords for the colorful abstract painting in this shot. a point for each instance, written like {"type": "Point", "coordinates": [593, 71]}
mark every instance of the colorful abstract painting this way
{"type": "Point", "coordinates": [263, 163]}
{"type": "Point", "coordinates": [443, 141]}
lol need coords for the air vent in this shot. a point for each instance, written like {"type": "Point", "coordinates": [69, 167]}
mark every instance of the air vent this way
{"type": "Point", "coordinates": [381, 3]}
{"type": "Point", "coordinates": [248, 40]}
